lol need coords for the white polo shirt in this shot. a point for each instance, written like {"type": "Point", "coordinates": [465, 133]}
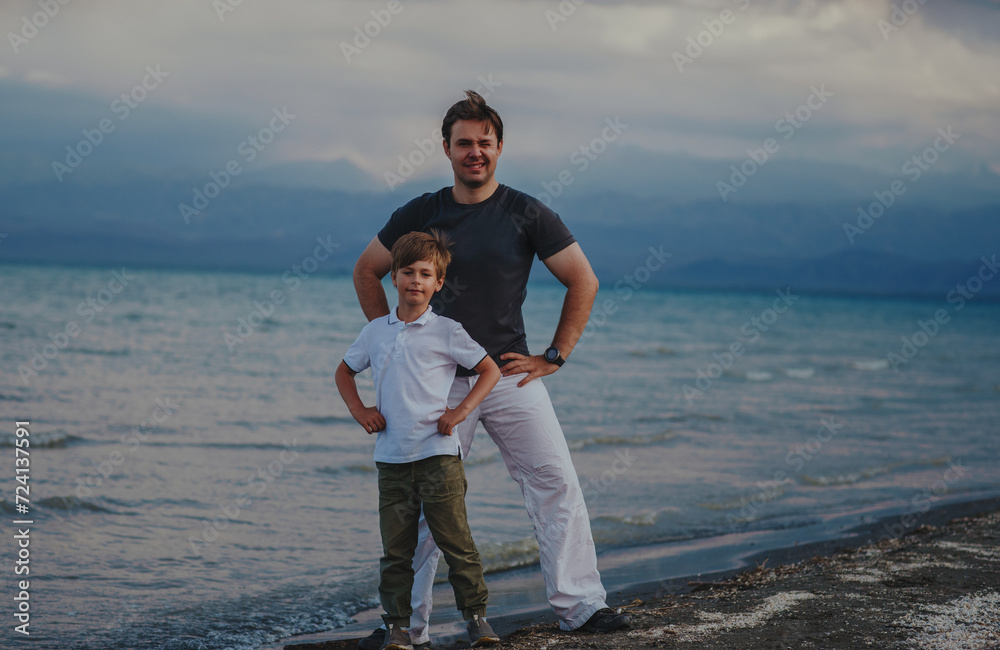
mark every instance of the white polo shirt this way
{"type": "Point", "coordinates": [413, 365]}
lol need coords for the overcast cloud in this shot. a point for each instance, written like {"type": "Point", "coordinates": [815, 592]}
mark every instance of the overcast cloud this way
{"type": "Point", "coordinates": [554, 83]}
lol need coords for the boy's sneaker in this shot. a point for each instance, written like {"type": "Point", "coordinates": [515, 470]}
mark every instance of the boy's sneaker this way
{"type": "Point", "coordinates": [605, 620]}
{"type": "Point", "coordinates": [373, 641]}
{"type": "Point", "coordinates": [480, 632]}
{"type": "Point", "coordinates": [396, 638]}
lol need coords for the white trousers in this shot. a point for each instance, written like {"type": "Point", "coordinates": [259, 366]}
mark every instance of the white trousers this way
{"type": "Point", "coordinates": [523, 424]}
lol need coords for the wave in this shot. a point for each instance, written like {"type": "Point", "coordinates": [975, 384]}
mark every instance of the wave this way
{"type": "Point", "coordinates": [350, 469]}
{"type": "Point", "coordinates": [243, 622]}
{"type": "Point", "coordinates": [659, 350]}
{"type": "Point", "coordinates": [49, 439]}
{"type": "Point", "coordinates": [480, 458]}
{"type": "Point", "coordinates": [758, 375]}
{"type": "Point", "coordinates": [617, 441]}
{"type": "Point", "coordinates": [7, 325]}
{"type": "Point", "coordinates": [800, 373]}
{"type": "Point", "coordinates": [851, 478]}
{"type": "Point", "coordinates": [760, 495]}
{"type": "Point", "coordinates": [637, 519]}
{"type": "Point", "coordinates": [870, 365]}
{"type": "Point", "coordinates": [502, 556]}
{"type": "Point", "coordinates": [245, 445]}
{"type": "Point", "coordinates": [4, 397]}
{"type": "Point", "coordinates": [122, 352]}
{"type": "Point", "coordinates": [687, 417]}
{"type": "Point", "coordinates": [326, 419]}
{"type": "Point", "coordinates": [61, 504]}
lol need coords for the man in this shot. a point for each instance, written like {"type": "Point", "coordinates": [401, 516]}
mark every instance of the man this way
{"type": "Point", "coordinates": [497, 232]}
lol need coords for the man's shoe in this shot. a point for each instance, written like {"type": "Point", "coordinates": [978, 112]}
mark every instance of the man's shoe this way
{"type": "Point", "coordinates": [480, 632]}
{"type": "Point", "coordinates": [373, 641]}
{"type": "Point", "coordinates": [396, 638]}
{"type": "Point", "coordinates": [605, 620]}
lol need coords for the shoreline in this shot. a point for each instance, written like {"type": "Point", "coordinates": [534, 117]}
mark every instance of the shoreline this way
{"type": "Point", "coordinates": [649, 602]}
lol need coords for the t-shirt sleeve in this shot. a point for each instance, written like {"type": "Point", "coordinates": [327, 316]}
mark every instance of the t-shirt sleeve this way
{"type": "Point", "coordinates": [544, 229]}
{"type": "Point", "coordinates": [357, 357]}
{"type": "Point", "coordinates": [405, 219]}
{"type": "Point", "coordinates": [463, 349]}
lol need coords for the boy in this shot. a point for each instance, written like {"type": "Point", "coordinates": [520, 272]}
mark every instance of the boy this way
{"type": "Point", "coordinates": [414, 354]}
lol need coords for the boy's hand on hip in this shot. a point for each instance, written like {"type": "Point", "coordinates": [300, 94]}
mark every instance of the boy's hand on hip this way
{"type": "Point", "coordinates": [370, 419]}
{"type": "Point", "coordinates": [449, 421]}
{"type": "Point", "coordinates": [536, 366]}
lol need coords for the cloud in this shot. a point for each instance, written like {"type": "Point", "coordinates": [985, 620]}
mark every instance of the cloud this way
{"type": "Point", "coordinates": [559, 81]}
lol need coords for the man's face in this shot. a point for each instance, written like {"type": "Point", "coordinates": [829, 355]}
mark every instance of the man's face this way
{"type": "Point", "coordinates": [473, 152]}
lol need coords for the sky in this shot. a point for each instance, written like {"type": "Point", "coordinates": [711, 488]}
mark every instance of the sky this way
{"type": "Point", "coordinates": [367, 82]}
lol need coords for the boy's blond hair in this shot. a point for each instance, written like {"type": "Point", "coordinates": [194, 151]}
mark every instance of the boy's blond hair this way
{"type": "Point", "coordinates": [418, 246]}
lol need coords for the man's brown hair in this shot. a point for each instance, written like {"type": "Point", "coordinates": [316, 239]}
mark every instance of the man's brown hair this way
{"type": "Point", "coordinates": [472, 108]}
{"type": "Point", "coordinates": [418, 246]}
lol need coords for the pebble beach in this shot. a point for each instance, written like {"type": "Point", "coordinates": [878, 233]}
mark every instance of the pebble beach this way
{"type": "Point", "coordinates": [935, 588]}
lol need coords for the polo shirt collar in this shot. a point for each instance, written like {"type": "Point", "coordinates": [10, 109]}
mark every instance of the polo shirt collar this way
{"type": "Point", "coordinates": [426, 316]}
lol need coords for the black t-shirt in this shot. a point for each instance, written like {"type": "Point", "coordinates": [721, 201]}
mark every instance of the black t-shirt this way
{"type": "Point", "coordinates": [494, 243]}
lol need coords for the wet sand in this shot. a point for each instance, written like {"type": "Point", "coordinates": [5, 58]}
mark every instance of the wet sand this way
{"type": "Point", "coordinates": [936, 587]}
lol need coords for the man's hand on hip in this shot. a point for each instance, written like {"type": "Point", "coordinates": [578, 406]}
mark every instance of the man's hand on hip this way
{"type": "Point", "coordinates": [536, 366]}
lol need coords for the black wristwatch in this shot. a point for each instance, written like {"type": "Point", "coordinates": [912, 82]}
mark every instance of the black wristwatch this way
{"type": "Point", "coordinates": [552, 356]}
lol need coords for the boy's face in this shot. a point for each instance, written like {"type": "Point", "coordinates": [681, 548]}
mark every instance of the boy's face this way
{"type": "Point", "coordinates": [417, 283]}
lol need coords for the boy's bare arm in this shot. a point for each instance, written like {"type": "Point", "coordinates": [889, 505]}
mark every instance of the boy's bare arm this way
{"type": "Point", "coordinates": [367, 416]}
{"type": "Point", "coordinates": [489, 375]}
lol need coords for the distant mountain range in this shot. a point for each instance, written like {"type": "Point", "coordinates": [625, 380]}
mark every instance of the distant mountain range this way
{"type": "Point", "coordinates": [269, 220]}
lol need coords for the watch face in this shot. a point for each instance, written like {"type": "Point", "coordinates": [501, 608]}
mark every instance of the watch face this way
{"type": "Point", "coordinates": [551, 354]}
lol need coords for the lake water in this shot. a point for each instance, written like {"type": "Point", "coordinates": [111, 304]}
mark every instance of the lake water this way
{"type": "Point", "coordinates": [196, 481]}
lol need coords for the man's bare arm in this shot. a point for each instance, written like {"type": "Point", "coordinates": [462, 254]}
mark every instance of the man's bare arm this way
{"type": "Point", "coordinates": [571, 267]}
{"type": "Point", "coordinates": [369, 270]}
